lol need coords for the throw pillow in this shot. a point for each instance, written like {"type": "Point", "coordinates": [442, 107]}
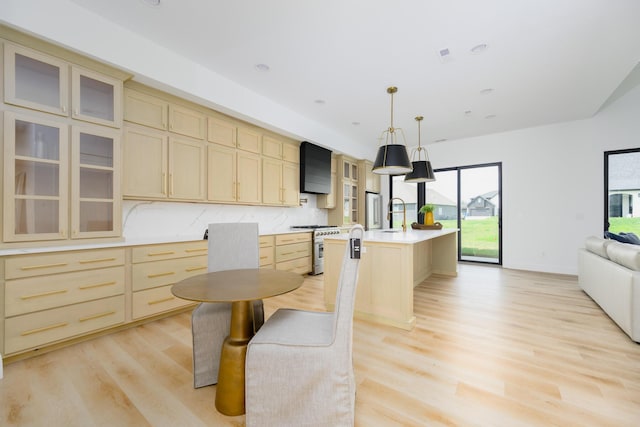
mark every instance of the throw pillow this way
{"type": "Point", "coordinates": [623, 237]}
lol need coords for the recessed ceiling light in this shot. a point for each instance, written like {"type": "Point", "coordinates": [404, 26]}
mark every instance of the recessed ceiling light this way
{"type": "Point", "coordinates": [486, 91]}
{"type": "Point", "coordinates": [320, 101]}
{"type": "Point", "coordinates": [355, 123]}
{"type": "Point", "coordinates": [154, 3]}
{"type": "Point", "coordinates": [479, 48]}
{"type": "Point", "coordinates": [262, 67]}
{"type": "Point", "coordinates": [440, 140]}
{"type": "Point", "coordinates": [490, 116]}
{"type": "Point", "coordinates": [467, 113]}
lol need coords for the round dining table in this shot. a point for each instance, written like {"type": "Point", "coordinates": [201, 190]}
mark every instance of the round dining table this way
{"type": "Point", "coordinates": [239, 287]}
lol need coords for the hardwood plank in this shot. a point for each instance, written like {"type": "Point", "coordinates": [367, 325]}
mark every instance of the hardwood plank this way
{"type": "Point", "coordinates": [490, 347]}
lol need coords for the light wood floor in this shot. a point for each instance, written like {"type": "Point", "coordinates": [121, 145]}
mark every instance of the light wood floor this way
{"type": "Point", "coordinates": [491, 347]}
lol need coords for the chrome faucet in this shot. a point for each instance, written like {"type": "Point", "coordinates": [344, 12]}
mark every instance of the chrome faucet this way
{"type": "Point", "coordinates": [404, 212]}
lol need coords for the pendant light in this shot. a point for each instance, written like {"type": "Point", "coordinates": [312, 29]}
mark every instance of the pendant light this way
{"type": "Point", "coordinates": [422, 170]}
{"type": "Point", "coordinates": [392, 158]}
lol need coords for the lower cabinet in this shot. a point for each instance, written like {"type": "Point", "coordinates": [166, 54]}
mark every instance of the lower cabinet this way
{"type": "Point", "coordinates": [156, 268]}
{"type": "Point", "coordinates": [57, 296]}
{"type": "Point", "coordinates": [266, 251]}
{"type": "Point", "coordinates": [293, 252]}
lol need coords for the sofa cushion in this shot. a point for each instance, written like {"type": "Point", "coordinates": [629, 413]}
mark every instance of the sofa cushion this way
{"type": "Point", "coordinates": [623, 237]}
{"type": "Point", "coordinates": [597, 245]}
{"type": "Point", "coordinates": [625, 254]}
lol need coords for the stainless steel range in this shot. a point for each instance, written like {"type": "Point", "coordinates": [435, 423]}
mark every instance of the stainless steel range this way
{"type": "Point", "coordinates": [319, 232]}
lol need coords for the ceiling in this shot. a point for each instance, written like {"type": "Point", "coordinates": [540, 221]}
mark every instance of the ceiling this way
{"type": "Point", "coordinates": [331, 61]}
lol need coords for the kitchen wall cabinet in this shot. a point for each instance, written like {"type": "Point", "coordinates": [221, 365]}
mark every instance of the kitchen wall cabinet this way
{"type": "Point", "coordinates": [328, 201]}
{"type": "Point", "coordinates": [41, 82]}
{"type": "Point", "coordinates": [233, 175]}
{"type": "Point", "coordinates": [57, 296]}
{"type": "Point", "coordinates": [280, 182]}
{"type": "Point", "coordinates": [347, 194]}
{"type": "Point", "coordinates": [173, 167]}
{"type": "Point", "coordinates": [155, 268]}
{"type": "Point", "coordinates": [38, 167]}
{"type": "Point", "coordinates": [293, 252]}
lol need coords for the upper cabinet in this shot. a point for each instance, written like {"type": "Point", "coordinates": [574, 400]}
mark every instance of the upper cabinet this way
{"type": "Point", "coordinates": [41, 82]}
{"type": "Point", "coordinates": [38, 168]}
{"type": "Point", "coordinates": [148, 110]}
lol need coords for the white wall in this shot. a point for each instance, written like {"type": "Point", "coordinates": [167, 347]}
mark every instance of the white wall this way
{"type": "Point", "coordinates": [553, 181]}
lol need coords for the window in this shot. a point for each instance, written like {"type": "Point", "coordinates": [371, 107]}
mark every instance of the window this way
{"type": "Point", "coordinates": [622, 191]}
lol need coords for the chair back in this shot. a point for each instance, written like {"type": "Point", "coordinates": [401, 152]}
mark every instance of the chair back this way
{"type": "Point", "coordinates": [233, 246]}
{"type": "Point", "coordinates": [346, 294]}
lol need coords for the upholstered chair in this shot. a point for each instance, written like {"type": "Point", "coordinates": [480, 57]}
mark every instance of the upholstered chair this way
{"type": "Point", "coordinates": [231, 246]}
{"type": "Point", "coordinates": [299, 369]}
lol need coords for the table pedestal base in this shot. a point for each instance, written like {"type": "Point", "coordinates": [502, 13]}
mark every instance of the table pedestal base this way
{"type": "Point", "coordinates": [230, 388]}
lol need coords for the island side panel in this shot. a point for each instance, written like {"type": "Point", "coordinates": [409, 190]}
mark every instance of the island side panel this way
{"type": "Point", "coordinates": [444, 255]}
{"type": "Point", "coordinates": [385, 282]}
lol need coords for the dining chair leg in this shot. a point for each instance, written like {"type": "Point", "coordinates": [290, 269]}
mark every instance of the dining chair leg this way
{"type": "Point", "coordinates": [230, 389]}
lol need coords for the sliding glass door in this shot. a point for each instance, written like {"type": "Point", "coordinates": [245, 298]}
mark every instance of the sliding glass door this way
{"type": "Point", "coordinates": [469, 198]}
{"type": "Point", "coordinates": [622, 191]}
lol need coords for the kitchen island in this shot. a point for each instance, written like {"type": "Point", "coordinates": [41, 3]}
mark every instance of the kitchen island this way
{"type": "Point", "coordinates": [393, 263]}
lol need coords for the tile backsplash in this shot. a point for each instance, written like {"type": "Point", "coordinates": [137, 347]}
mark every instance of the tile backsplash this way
{"type": "Point", "coordinates": [150, 219]}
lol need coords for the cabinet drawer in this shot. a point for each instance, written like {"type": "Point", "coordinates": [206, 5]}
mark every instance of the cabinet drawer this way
{"type": "Point", "coordinates": [169, 251]}
{"type": "Point", "coordinates": [154, 301]}
{"type": "Point", "coordinates": [266, 241]}
{"type": "Point", "coordinates": [293, 251]}
{"type": "Point", "coordinates": [61, 262]}
{"type": "Point", "coordinates": [266, 256]}
{"type": "Point", "coordinates": [285, 239]}
{"type": "Point", "coordinates": [153, 274]}
{"type": "Point", "coordinates": [40, 293]}
{"type": "Point", "coordinates": [300, 265]}
{"type": "Point", "coordinates": [37, 329]}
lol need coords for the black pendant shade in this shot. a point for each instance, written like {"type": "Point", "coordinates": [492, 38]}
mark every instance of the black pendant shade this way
{"type": "Point", "coordinates": [422, 172]}
{"type": "Point", "coordinates": [392, 159]}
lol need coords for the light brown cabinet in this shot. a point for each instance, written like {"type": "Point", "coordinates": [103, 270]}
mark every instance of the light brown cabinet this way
{"type": "Point", "coordinates": [347, 194]}
{"type": "Point", "coordinates": [41, 82]}
{"type": "Point", "coordinates": [38, 166]}
{"type": "Point", "coordinates": [173, 166]}
{"type": "Point", "coordinates": [233, 175]}
{"type": "Point", "coordinates": [280, 182]}
{"type": "Point", "coordinates": [56, 296]}
{"type": "Point", "coordinates": [293, 252]}
{"type": "Point", "coordinates": [155, 268]}
{"type": "Point", "coordinates": [267, 244]}
{"type": "Point", "coordinates": [328, 201]}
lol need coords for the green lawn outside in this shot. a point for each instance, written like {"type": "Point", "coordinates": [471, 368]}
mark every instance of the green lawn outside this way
{"type": "Point", "coordinates": [627, 225]}
{"type": "Point", "coordinates": [479, 236]}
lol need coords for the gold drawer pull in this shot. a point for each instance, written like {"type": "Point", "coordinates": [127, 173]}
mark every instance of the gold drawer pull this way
{"type": "Point", "coordinates": [167, 273]}
{"type": "Point", "coordinates": [287, 253]}
{"type": "Point", "coordinates": [89, 261]}
{"type": "Point", "coordinates": [264, 257]}
{"type": "Point", "coordinates": [97, 285]}
{"type": "Point", "coordinates": [44, 294]}
{"type": "Point", "coordinates": [34, 267]}
{"type": "Point", "coordinates": [161, 253]}
{"type": "Point", "coordinates": [43, 329]}
{"type": "Point", "coordinates": [303, 250]}
{"type": "Point", "coordinates": [195, 250]}
{"type": "Point", "coordinates": [161, 300]}
{"type": "Point", "coordinates": [97, 316]}
{"type": "Point", "coordinates": [287, 240]}
{"type": "Point", "coordinates": [189, 269]}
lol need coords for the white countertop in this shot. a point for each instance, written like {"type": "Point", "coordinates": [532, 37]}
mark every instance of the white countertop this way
{"type": "Point", "coordinates": [78, 245]}
{"type": "Point", "coordinates": [396, 235]}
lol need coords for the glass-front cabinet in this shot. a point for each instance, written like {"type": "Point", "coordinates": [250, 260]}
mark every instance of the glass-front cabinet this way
{"type": "Point", "coordinates": [41, 82]}
{"type": "Point", "coordinates": [95, 182]}
{"type": "Point", "coordinates": [35, 179]}
{"type": "Point", "coordinates": [61, 138]}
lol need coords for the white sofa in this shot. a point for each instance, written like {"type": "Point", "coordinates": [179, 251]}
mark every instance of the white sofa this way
{"type": "Point", "coordinates": [609, 272]}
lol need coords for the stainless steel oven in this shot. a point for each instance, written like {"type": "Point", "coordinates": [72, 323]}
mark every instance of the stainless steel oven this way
{"type": "Point", "coordinates": [319, 232]}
